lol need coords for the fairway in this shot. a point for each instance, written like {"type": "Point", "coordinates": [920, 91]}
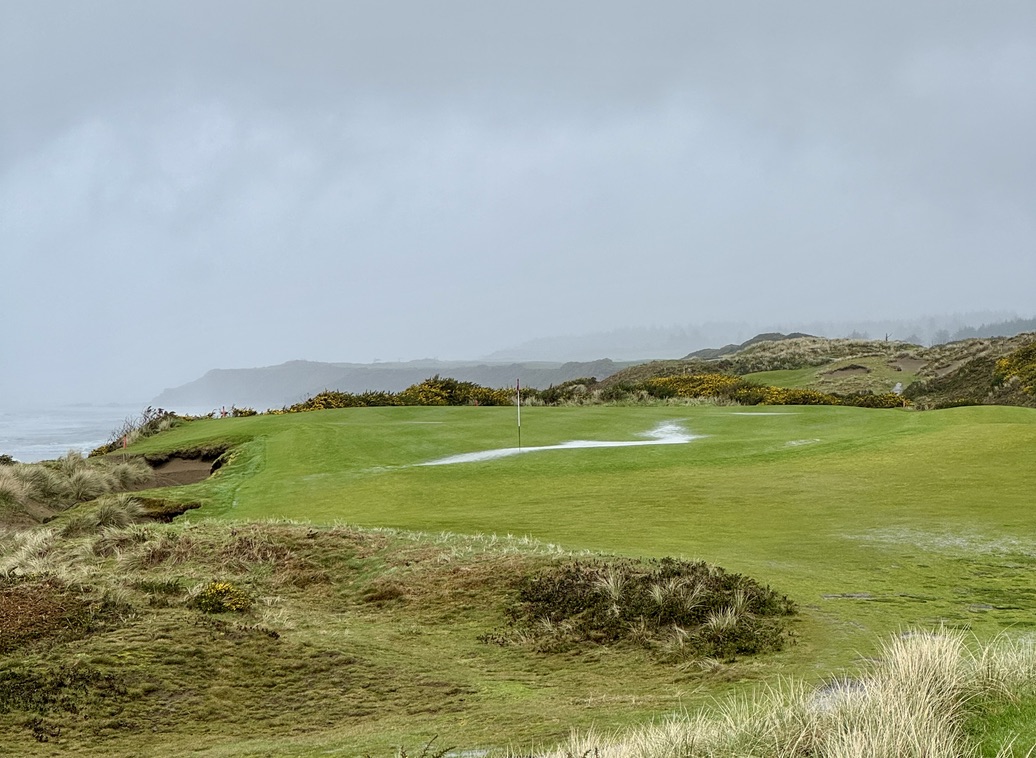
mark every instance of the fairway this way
{"type": "Point", "coordinates": [871, 520]}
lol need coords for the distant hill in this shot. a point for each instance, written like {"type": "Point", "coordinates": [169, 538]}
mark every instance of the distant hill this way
{"type": "Point", "coordinates": [287, 383]}
{"type": "Point", "coordinates": [956, 373]}
{"type": "Point", "coordinates": [967, 373]}
{"type": "Point", "coordinates": [711, 353]}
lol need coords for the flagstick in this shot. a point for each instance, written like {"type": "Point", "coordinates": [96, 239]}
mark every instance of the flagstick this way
{"type": "Point", "coordinates": [518, 389]}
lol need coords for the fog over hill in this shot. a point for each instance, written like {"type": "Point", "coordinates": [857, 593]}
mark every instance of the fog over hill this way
{"type": "Point", "coordinates": [541, 363]}
{"type": "Point", "coordinates": [275, 386]}
{"type": "Point", "coordinates": [647, 343]}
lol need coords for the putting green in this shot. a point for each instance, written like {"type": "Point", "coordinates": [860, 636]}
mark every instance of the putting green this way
{"type": "Point", "coordinates": [873, 520]}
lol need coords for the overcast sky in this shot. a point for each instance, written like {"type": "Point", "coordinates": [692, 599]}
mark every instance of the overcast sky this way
{"type": "Point", "coordinates": [193, 185]}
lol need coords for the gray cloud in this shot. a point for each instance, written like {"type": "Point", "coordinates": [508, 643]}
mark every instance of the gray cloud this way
{"type": "Point", "coordinates": [192, 185]}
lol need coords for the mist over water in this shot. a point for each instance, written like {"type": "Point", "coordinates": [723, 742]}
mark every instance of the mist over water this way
{"type": "Point", "coordinates": [47, 433]}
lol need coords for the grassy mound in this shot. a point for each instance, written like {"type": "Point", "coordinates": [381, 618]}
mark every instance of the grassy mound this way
{"type": "Point", "coordinates": [282, 638]}
{"type": "Point", "coordinates": [36, 491]}
{"type": "Point", "coordinates": [990, 379]}
{"type": "Point", "coordinates": [683, 609]}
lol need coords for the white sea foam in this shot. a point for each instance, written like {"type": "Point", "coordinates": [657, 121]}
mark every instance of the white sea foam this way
{"type": "Point", "coordinates": [663, 434]}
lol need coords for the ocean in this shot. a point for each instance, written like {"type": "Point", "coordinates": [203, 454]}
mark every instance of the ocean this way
{"type": "Point", "coordinates": [46, 433]}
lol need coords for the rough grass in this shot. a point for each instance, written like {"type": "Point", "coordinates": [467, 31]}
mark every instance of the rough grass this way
{"type": "Point", "coordinates": [283, 639]}
{"type": "Point", "coordinates": [871, 520]}
{"type": "Point", "coordinates": [57, 485]}
{"type": "Point", "coordinates": [880, 376]}
{"type": "Point", "coordinates": [368, 642]}
{"type": "Point", "coordinates": [920, 698]}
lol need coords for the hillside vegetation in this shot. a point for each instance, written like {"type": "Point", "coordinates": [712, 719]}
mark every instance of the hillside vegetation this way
{"type": "Point", "coordinates": [234, 631]}
{"type": "Point", "coordinates": [942, 376]}
{"type": "Point", "coordinates": [130, 638]}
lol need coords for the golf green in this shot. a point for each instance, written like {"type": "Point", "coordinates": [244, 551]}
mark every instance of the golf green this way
{"type": "Point", "coordinates": [872, 520]}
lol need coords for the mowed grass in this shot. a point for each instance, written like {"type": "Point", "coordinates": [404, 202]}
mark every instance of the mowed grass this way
{"type": "Point", "coordinates": [872, 520]}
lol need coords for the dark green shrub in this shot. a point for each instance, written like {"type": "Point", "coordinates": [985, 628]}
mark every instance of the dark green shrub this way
{"type": "Point", "coordinates": [574, 389]}
{"type": "Point", "coordinates": [701, 608]}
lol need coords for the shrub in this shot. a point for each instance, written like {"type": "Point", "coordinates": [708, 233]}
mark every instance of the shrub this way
{"type": "Point", "coordinates": [685, 608]}
{"type": "Point", "coordinates": [150, 422]}
{"type": "Point", "coordinates": [220, 597]}
{"type": "Point", "coordinates": [1021, 364]}
{"type": "Point", "coordinates": [871, 400]}
{"type": "Point", "coordinates": [694, 385]}
{"type": "Point", "coordinates": [242, 412]}
{"type": "Point", "coordinates": [574, 390]}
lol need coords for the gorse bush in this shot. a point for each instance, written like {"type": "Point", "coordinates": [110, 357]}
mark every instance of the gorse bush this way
{"type": "Point", "coordinates": [433, 391]}
{"type": "Point", "coordinates": [445, 391]}
{"type": "Point", "coordinates": [694, 385]}
{"type": "Point", "coordinates": [1019, 366]}
{"type": "Point", "coordinates": [679, 608]}
{"type": "Point", "coordinates": [718, 387]}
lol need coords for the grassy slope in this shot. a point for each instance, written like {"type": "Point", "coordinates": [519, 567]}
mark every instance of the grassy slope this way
{"type": "Point", "coordinates": [356, 668]}
{"type": "Point", "coordinates": [890, 519]}
{"type": "Point", "coordinates": [881, 378]}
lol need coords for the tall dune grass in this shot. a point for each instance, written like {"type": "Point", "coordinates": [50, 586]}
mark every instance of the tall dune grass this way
{"type": "Point", "coordinates": [69, 480]}
{"type": "Point", "coordinates": [912, 702]}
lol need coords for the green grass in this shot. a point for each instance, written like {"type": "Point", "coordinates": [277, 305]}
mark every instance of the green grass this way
{"type": "Point", "coordinates": [880, 379]}
{"type": "Point", "coordinates": [875, 521]}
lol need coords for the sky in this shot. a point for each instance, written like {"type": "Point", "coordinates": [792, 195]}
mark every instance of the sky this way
{"type": "Point", "coordinates": [220, 184]}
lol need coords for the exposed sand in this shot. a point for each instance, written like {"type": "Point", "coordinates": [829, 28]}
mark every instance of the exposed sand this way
{"type": "Point", "coordinates": [664, 434]}
{"type": "Point", "coordinates": [848, 371]}
{"type": "Point", "coordinates": [912, 365]}
{"type": "Point", "coordinates": [178, 471]}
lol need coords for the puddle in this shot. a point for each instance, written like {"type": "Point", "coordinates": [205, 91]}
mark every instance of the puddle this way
{"type": "Point", "coordinates": [664, 434]}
